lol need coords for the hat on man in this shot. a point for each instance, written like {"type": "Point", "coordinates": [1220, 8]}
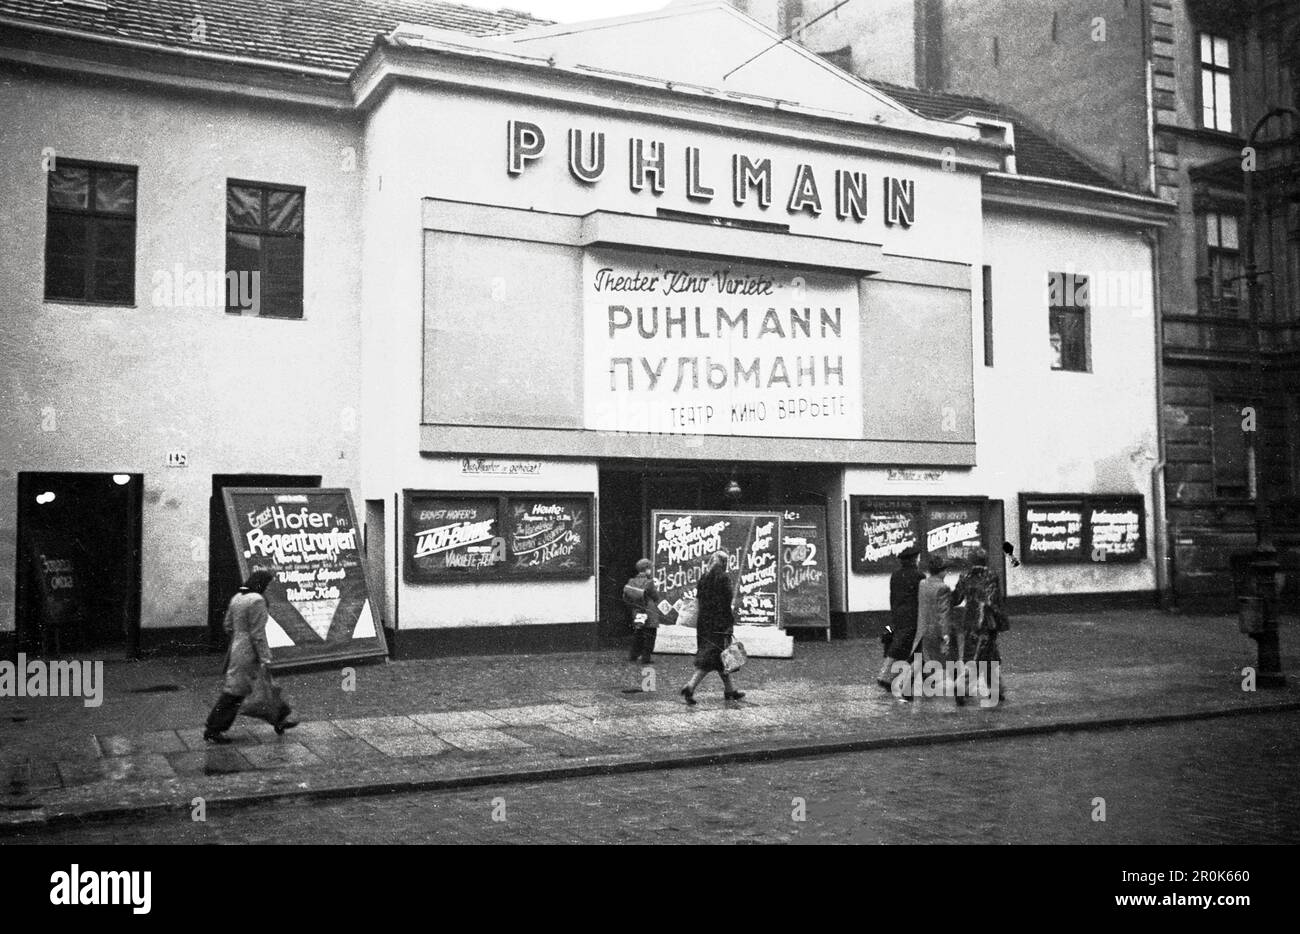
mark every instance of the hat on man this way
{"type": "Point", "coordinates": [909, 552]}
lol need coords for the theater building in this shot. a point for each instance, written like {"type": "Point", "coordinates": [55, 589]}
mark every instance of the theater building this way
{"type": "Point", "coordinates": [548, 299]}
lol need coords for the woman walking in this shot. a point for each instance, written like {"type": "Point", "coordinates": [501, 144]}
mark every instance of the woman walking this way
{"type": "Point", "coordinates": [713, 628]}
{"type": "Point", "coordinates": [245, 626]}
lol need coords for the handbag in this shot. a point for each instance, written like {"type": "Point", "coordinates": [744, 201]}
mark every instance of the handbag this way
{"type": "Point", "coordinates": [689, 612]}
{"type": "Point", "coordinates": [733, 656]}
{"type": "Point", "coordinates": [265, 701]}
{"type": "Point", "coordinates": [633, 595]}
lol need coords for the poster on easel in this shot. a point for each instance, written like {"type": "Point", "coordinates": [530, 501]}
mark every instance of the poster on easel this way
{"type": "Point", "coordinates": [318, 600]}
{"type": "Point", "coordinates": [684, 543]}
{"type": "Point", "coordinates": [805, 577]}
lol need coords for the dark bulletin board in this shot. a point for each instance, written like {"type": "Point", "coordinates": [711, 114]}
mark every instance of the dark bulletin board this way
{"type": "Point", "coordinates": [450, 536]}
{"type": "Point", "coordinates": [881, 527]}
{"type": "Point", "coordinates": [1068, 528]}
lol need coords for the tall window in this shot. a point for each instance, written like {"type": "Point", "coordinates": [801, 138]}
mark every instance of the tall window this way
{"type": "Point", "coordinates": [264, 265]}
{"type": "Point", "coordinates": [1068, 320]}
{"type": "Point", "coordinates": [1230, 472]}
{"type": "Point", "coordinates": [1225, 261]}
{"type": "Point", "coordinates": [1216, 83]}
{"type": "Point", "coordinates": [988, 314]}
{"type": "Point", "coordinates": [90, 233]}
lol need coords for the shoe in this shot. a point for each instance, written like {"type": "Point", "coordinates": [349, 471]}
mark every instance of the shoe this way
{"type": "Point", "coordinates": [887, 685]}
{"type": "Point", "coordinates": [904, 699]}
{"type": "Point", "coordinates": [733, 695]}
{"type": "Point", "coordinates": [216, 739]}
{"type": "Point", "coordinates": [689, 695]}
{"type": "Point", "coordinates": [283, 725]}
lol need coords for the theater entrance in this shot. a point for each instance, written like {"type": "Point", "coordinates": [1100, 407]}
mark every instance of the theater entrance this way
{"type": "Point", "coordinates": [629, 493]}
{"type": "Point", "coordinates": [78, 563]}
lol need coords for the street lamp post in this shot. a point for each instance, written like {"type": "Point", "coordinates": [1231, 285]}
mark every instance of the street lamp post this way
{"type": "Point", "coordinates": [1264, 567]}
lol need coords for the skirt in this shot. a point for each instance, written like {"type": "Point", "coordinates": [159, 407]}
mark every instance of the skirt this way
{"type": "Point", "coordinates": [708, 654]}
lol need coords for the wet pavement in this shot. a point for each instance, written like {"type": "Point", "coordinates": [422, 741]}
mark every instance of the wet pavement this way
{"type": "Point", "coordinates": [446, 722]}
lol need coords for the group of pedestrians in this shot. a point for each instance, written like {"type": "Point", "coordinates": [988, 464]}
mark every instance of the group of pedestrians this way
{"type": "Point", "coordinates": [954, 628]}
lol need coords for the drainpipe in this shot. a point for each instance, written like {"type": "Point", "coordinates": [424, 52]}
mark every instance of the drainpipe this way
{"type": "Point", "coordinates": [1160, 540]}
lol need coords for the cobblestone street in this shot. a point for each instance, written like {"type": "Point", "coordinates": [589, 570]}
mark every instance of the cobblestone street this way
{"type": "Point", "coordinates": [1210, 782]}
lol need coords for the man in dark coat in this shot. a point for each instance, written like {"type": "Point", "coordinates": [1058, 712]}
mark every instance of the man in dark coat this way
{"type": "Point", "coordinates": [713, 628]}
{"type": "Point", "coordinates": [901, 631]}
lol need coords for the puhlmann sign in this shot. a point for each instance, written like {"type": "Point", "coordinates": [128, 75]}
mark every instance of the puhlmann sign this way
{"type": "Point", "coordinates": [652, 167]}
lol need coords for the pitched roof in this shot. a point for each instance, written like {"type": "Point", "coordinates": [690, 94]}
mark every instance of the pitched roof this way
{"type": "Point", "coordinates": [319, 33]}
{"type": "Point", "coordinates": [1037, 153]}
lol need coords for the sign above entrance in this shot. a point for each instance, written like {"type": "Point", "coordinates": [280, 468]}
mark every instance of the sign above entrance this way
{"type": "Point", "coordinates": [715, 348]}
{"type": "Point", "coordinates": [318, 601]}
{"type": "Point", "coordinates": [742, 178]}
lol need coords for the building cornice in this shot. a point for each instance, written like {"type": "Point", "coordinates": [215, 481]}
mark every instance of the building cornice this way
{"type": "Point", "coordinates": [1052, 196]}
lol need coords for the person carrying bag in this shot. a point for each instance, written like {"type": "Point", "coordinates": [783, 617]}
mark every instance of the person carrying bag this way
{"type": "Point", "coordinates": [642, 601]}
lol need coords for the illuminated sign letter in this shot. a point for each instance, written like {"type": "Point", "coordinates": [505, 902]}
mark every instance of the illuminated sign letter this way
{"type": "Point", "coordinates": [640, 167]}
{"type": "Point", "coordinates": [851, 195]}
{"type": "Point", "coordinates": [588, 166]}
{"type": "Point", "coordinates": [900, 201]}
{"type": "Point", "coordinates": [694, 190]}
{"type": "Point", "coordinates": [803, 194]}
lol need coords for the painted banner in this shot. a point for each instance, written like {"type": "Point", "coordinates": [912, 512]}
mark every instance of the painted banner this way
{"type": "Point", "coordinates": [684, 543]}
{"type": "Point", "coordinates": [689, 346]}
{"type": "Point", "coordinates": [318, 601]}
{"type": "Point", "coordinates": [452, 536]}
{"type": "Point", "coordinates": [550, 535]}
{"type": "Point", "coordinates": [805, 594]}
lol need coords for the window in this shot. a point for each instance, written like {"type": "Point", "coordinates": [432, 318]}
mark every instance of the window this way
{"type": "Point", "coordinates": [90, 233]}
{"type": "Point", "coordinates": [1230, 445]}
{"type": "Point", "coordinates": [264, 249]}
{"type": "Point", "coordinates": [1068, 321]}
{"type": "Point", "coordinates": [988, 315]}
{"type": "Point", "coordinates": [1224, 261]}
{"type": "Point", "coordinates": [1216, 83]}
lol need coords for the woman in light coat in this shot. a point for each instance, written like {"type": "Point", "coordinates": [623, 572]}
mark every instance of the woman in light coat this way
{"type": "Point", "coordinates": [245, 626]}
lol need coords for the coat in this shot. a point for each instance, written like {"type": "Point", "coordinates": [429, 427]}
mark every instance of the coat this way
{"type": "Point", "coordinates": [934, 621]}
{"type": "Point", "coordinates": [903, 585]}
{"type": "Point", "coordinates": [650, 607]}
{"type": "Point", "coordinates": [715, 623]}
{"type": "Point", "coordinates": [245, 626]}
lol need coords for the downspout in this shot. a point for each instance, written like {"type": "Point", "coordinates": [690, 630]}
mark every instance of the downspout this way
{"type": "Point", "coordinates": [1161, 539]}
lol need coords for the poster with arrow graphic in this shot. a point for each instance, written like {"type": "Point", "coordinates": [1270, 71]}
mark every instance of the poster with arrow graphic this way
{"type": "Point", "coordinates": [318, 600]}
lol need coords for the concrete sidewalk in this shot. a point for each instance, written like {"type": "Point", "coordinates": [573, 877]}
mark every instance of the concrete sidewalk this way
{"type": "Point", "coordinates": [490, 720]}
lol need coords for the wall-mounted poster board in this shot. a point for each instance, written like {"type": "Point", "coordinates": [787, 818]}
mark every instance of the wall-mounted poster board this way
{"type": "Point", "coordinates": [684, 543]}
{"type": "Point", "coordinates": [318, 600]}
{"type": "Point", "coordinates": [805, 593]}
{"type": "Point", "coordinates": [882, 527]}
{"type": "Point", "coordinates": [1082, 528]}
{"type": "Point", "coordinates": [487, 536]}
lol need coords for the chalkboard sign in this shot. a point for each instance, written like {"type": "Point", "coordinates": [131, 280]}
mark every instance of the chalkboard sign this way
{"type": "Point", "coordinates": [954, 530]}
{"type": "Point", "coordinates": [805, 597]}
{"type": "Point", "coordinates": [452, 537]}
{"type": "Point", "coordinates": [684, 543]}
{"type": "Point", "coordinates": [318, 601]}
{"type": "Point", "coordinates": [1051, 530]}
{"type": "Point", "coordinates": [1082, 528]}
{"type": "Point", "coordinates": [549, 535]}
{"type": "Point", "coordinates": [881, 529]}
{"type": "Point", "coordinates": [1116, 528]}
{"type": "Point", "coordinates": [483, 536]}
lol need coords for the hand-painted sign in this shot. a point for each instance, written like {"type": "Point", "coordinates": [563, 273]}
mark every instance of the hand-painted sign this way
{"type": "Point", "coordinates": [684, 542]}
{"type": "Point", "coordinates": [881, 529]}
{"type": "Point", "coordinates": [449, 537]}
{"type": "Point", "coordinates": [805, 576]}
{"type": "Point", "coordinates": [549, 535]}
{"type": "Point", "coordinates": [1082, 528]}
{"type": "Point", "coordinates": [318, 601]}
{"type": "Point", "coordinates": [717, 348]}
{"type": "Point", "coordinates": [954, 530]}
{"type": "Point", "coordinates": [478, 536]}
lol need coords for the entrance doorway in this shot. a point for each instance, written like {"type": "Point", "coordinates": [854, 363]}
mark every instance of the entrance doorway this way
{"type": "Point", "coordinates": [223, 563]}
{"type": "Point", "coordinates": [629, 493]}
{"type": "Point", "coordinates": [78, 564]}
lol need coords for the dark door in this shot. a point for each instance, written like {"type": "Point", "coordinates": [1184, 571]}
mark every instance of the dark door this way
{"type": "Point", "coordinates": [223, 563]}
{"type": "Point", "coordinates": [78, 562]}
